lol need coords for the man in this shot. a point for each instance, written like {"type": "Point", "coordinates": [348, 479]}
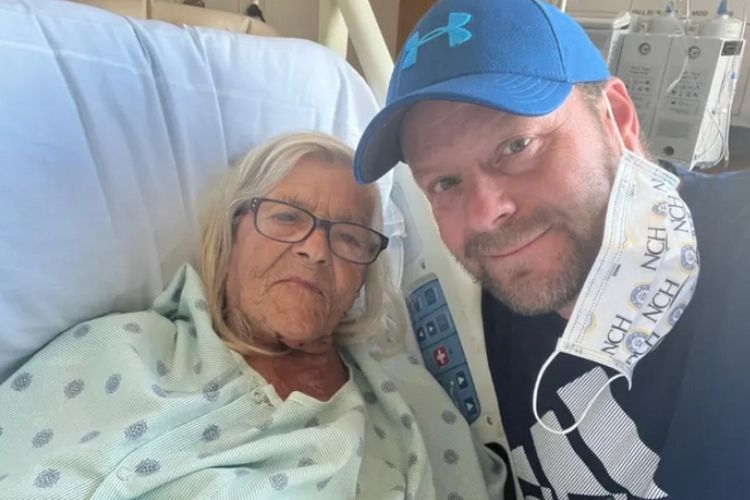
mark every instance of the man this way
{"type": "Point", "coordinates": [529, 153]}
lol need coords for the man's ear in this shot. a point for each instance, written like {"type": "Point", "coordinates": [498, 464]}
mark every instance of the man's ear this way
{"type": "Point", "coordinates": [624, 115]}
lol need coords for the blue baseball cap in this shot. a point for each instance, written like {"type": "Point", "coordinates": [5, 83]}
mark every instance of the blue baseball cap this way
{"type": "Point", "coordinates": [518, 56]}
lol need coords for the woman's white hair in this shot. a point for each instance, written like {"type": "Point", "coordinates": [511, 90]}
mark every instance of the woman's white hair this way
{"type": "Point", "coordinates": [256, 175]}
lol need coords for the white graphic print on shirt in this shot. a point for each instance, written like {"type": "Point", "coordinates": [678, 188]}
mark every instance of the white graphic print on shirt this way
{"type": "Point", "coordinates": [608, 432]}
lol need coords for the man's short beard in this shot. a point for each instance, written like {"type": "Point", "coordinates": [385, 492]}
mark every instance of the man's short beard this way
{"type": "Point", "coordinates": [546, 294]}
{"type": "Point", "coordinates": [553, 293]}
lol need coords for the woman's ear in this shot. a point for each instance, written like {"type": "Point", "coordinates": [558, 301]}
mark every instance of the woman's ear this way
{"type": "Point", "coordinates": [624, 115]}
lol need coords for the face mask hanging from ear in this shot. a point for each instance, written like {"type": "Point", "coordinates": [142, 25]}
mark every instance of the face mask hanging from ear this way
{"type": "Point", "coordinates": [643, 277]}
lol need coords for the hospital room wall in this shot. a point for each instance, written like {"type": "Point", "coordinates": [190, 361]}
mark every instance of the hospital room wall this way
{"type": "Point", "coordinates": [299, 18]}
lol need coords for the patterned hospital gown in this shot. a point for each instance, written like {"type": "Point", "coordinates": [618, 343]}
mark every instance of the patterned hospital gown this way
{"type": "Point", "coordinates": [154, 405]}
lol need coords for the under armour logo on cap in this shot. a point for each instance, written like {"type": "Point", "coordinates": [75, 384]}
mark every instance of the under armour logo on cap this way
{"type": "Point", "coordinates": [455, 30]}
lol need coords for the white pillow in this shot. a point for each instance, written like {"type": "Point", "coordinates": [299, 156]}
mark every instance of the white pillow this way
{"type": "Point", "coordinates": [111, 131]}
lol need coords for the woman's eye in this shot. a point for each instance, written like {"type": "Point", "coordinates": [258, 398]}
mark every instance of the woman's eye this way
{"type": "Point", "coordinates": [516, 146]}
{"type": "Point", "coordinates": [286, 217]}
{"type": "Point", "coordinates": [350, 240]}
{"type": "Point", "coordinates": [445, 184]}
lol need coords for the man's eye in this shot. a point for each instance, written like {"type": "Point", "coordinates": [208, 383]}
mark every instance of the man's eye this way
{"type": "Point", "coordinates": [445, 184]}
{"type": "Point", "coordinates": [516, 146]}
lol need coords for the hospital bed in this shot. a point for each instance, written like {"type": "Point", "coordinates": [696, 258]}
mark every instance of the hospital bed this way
{"type": "Point", "coordinates": [112, 130]}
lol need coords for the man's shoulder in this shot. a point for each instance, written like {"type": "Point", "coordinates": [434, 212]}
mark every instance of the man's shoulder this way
{"type": "Point", "coordinates": [720, 205]}
{"type": "Point", "coordinates": [724, 195]}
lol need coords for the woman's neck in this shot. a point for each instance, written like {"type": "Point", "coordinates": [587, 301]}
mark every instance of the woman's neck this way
{"type": "Point", "coordinates": [319, 375]}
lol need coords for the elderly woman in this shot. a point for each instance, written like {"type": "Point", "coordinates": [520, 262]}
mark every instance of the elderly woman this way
{"type": "Point", "coordinates": [256, 382]}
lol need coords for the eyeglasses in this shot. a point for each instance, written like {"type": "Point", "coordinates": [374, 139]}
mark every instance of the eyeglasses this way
{"type": "Point", "coordinates": [284, 222]}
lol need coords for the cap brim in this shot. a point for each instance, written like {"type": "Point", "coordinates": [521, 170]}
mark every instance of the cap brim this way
{"type": "Point", "coordinates": [379, 149]}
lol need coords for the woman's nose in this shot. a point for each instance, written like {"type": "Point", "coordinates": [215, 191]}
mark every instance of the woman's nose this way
{"type": "Point", "coordinates": [315, 247]}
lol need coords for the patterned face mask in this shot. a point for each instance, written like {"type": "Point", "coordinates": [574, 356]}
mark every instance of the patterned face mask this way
{"type": "Point", "coordinates": [643, 277]}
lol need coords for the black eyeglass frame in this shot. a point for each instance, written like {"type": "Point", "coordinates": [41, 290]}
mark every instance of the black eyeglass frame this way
{"type": "Point", "coordinates": [317, 222]}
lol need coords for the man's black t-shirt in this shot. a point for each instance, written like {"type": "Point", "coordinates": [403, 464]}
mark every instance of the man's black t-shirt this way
{"type": "Point", "coordinates": [683, 430]}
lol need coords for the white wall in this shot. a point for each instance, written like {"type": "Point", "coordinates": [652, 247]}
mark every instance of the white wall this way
{"type": "Point", "coordinates": [299, 18]}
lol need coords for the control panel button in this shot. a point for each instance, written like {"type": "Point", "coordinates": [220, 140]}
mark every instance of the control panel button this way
{"type": "Point", "coordinates": [431, 329]}
{"type": "Point", "coordinates": [471, 406]}
{"type": "Point", "coordinates": [442, 322]}
{"type": "Point", "coordinates": [421, 335]}
{"type": "Point", "coordinates": [416, 305]}
{"type": "Point", "coordinates": [430, 296]}
{"type": "Point", "coordinates": [441, 357]}
{"type": "Point", "coordinates": [461, 380]}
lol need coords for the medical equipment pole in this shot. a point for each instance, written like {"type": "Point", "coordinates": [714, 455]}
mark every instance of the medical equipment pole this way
{"type": "Point", "coordinates": [369, 45]}
{"type": "Point", "coordinates": [332, 31]}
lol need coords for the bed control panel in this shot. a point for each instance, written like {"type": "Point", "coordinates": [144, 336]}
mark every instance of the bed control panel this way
{"type": "Point", "coordinates": [441, 347]}
{"type": "Point", "coordinates": [445, 306]}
